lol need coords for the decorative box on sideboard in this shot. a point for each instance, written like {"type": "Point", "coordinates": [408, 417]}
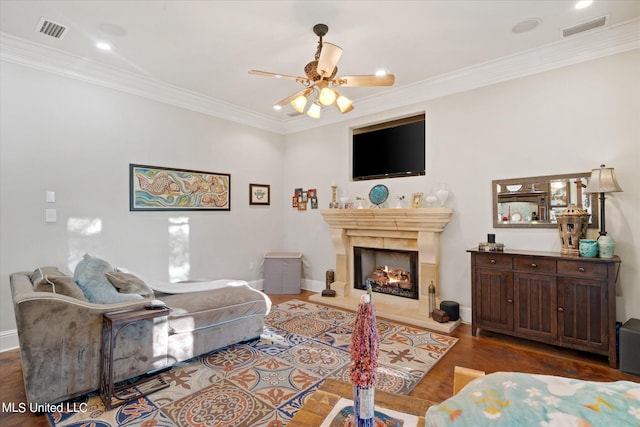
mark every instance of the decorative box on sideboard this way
{"type": "Point", "coordinates": [548, 297]}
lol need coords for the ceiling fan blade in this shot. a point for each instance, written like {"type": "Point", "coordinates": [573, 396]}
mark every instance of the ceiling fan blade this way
{"type": "Point", "coordinates": [278, 76]}
{"type": "Point", "coordinates": [329, 56]}
{"type": "Point", "coordinates": [287, 100]}
{"type": "Point", "coordinates": [370, 80]}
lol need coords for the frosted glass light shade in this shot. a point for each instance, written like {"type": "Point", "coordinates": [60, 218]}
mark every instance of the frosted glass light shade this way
{"type": "Point", "coordinates": [327, 96]}
{"type": "Point", "coordinates": [314, 110]}
{"type": "Point", "coordinates": [299, 103]}
{"type": "Point", "coordinates": [344, 104]}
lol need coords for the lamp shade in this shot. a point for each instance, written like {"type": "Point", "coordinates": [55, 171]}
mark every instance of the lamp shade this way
{"type": "Point", "coordinates": [603, 180]}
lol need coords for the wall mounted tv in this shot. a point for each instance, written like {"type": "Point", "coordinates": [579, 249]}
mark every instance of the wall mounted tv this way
{"type": "Point", "coordinates": [389, 150]}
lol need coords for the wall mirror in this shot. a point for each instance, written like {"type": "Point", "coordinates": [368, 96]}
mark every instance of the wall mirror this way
{"type": "Point", "coordinates": [534, 202]}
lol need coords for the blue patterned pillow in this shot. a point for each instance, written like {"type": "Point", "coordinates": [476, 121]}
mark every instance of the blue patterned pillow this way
{"type": "Point", "coordinates": [90, 275]}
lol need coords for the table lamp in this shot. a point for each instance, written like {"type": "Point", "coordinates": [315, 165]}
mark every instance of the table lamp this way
{"type": "Point", "coordinates": [603, 180]}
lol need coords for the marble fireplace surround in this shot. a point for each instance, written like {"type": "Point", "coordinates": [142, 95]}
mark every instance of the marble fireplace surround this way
{"type": "Point", "coordinates": [400, 229]}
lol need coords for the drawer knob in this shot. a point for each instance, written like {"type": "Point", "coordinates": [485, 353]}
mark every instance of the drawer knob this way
{"type": "Point", "coordinates": [560, 309]}
{"type": "Point", "coordinates": [534, 265]}
{"type": "Point", "coordinates": [493, 261]}
{"type": "Point", "coordinates": [581, 269]}
{"type": "Point", "coordinates": [510, 301]}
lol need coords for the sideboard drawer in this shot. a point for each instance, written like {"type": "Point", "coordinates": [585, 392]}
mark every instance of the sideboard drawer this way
{"type": "Point", "coordinates": [582, 269]}
{"type": "Point", "coordinates": [535, 265]}
{"type": "Point", "coordinates": [503, 262]}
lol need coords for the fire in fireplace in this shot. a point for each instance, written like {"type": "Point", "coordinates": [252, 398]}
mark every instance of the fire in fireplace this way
{"type": "Point", "coordinates": [389, 271]}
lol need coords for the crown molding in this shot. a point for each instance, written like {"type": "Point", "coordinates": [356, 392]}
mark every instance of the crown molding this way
{"type": "Point", "coordinates": [572, 50]}
{"type": "Point", "coordinates": [48, 59]}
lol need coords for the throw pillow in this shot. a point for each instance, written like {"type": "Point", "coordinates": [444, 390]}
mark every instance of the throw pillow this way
{"type": "Point", "coordinates": [90, 274]}
{"type": "Point", "coordinates": [128, 283]}
{"type": "Point", "coordinates": [63, 285]}
{"type": "Point", "coordinates": [39, 273]}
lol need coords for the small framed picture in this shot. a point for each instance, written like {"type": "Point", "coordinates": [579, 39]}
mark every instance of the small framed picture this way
{"type": "Point", "coordinates": [416, 200]}
{"type": "Point", "coordinates": [312, 193]}
{"type": "Point", "coordinates": [559, 193]}
{"type": "Point", "coordinates": [314, 203]}
{"type": "Point", "coordinates": [259, 194]}
{"type": "Point", "coordinates": [294, 201]}
{"type": "Point", "coordinates": [302, 206]}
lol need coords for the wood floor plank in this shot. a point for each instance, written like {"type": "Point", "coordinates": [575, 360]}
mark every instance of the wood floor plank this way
{"type": "Point", "coordinates": [489, 352]}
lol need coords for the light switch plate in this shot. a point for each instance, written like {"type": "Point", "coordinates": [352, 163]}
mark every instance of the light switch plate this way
{"type": "Point", "coordinates": [51, 196]}
{"type": "Point", "coordinates": [50, 215]}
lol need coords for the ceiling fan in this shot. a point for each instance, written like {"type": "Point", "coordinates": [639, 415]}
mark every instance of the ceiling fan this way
{"type": "Point", "coordinates": [321, 82]}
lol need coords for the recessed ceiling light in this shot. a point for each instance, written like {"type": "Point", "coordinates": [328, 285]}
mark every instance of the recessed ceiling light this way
{"type": "Point", "coordinates": [112, 30]}
{"type": "Point", "coordinates": [581, 4]}
{"type": "Point", "coordinates": [277, 107]}
{"type": "Point", "coordinates": [526, 25]}
{"type": "Point", "coordinates": [103, 46]}
{"type": "Point", "coordinates": [381, 72]}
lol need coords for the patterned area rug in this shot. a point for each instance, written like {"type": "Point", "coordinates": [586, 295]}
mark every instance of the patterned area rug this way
{"type": "Point", "coordinates": [265, 381]}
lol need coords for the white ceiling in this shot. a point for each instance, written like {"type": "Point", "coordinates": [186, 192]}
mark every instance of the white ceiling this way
{"type": "Point", "coordinates": [206, 48]}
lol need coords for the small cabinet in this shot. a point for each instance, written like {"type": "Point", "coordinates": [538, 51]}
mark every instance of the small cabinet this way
{"type": "Point", "coordinates": [547, 297]}
{"type": "Point", "coordinates": [282, 273]}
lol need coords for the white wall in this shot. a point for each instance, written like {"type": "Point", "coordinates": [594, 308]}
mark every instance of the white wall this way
{"type": "Point", "coordinates": [563, 121]}
{"type": "Point", "coordinates": [77, 139]}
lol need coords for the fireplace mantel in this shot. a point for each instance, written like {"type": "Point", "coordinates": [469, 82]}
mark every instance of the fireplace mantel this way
{"type": "Point", "coordinates": [424, 219]}
{"type": "Point", "coordinates": [401, 229]}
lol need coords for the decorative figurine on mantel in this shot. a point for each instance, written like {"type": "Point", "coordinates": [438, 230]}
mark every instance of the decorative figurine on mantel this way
{"type": "Point", "coordinates": [334, 197]}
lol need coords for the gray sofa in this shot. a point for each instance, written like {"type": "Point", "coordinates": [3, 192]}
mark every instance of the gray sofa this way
{"type": "Point", "coordinates": [60, 333]}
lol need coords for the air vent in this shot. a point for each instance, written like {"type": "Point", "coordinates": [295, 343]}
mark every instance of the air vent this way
{"type": "Point", "coordinates": [585, 26]}
{"type": "Point", "coordinates": [51, 29]}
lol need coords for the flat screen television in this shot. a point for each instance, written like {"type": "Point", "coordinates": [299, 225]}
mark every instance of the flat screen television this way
{"type": "Point", "coordinates": [388, 152]}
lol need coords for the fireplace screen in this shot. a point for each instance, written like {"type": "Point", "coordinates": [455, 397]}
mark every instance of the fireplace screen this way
{"type": "Point", "coordinates": [390, 271]}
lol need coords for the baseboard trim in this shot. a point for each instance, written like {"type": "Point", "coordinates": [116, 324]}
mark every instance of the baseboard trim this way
{"type": "Point", "coordinates": [9, 340]}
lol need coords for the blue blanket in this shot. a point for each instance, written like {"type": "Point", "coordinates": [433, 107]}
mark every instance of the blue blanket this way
{"type": "Point", "coordinates": [517, 399]}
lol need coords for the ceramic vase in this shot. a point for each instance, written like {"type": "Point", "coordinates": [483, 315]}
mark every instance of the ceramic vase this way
{"type": "Point", "coordinates": [588, 248]}
{"type": "Point", "coordinates": [443, 194]}
{"type": "Point", "coordinates": [363, 406]}
{"type": "Point", "coordinates": [606, 246]}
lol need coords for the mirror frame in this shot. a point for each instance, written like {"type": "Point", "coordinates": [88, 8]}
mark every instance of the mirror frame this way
{"type": "Point", "coordinates": [541, 180]}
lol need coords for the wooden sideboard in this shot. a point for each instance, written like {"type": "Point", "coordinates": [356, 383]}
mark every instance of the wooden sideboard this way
{"type": "Point", "coordinates": [547, 297]}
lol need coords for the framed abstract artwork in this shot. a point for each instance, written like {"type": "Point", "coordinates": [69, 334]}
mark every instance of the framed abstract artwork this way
{"type": "Point", "coordinates": [259, 194]}
{"type": "Point", "coordinates": [156, 188]}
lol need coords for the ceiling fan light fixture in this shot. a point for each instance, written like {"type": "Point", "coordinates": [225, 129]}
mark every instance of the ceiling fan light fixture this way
{"type": "Point", "coordinates": [327, 96]}
{"type": "Point", "coordinates": [299, 103]}
{"type": "Point", "coordinates": [344, 104]}
{"type": "Point", "coordinates": [314, 111]}
{"type": "Point", "coordinates": [321, 82]}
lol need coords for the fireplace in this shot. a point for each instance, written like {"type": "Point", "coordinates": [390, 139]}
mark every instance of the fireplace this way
{"type": "Point", "coordinates": [396, 231]}
{"type": "Point", "coordinates": [393, 272]}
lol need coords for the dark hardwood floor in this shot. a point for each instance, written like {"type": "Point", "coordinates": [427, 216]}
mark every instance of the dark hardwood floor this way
{"type": "Point", "coordinates": [489, 353]}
